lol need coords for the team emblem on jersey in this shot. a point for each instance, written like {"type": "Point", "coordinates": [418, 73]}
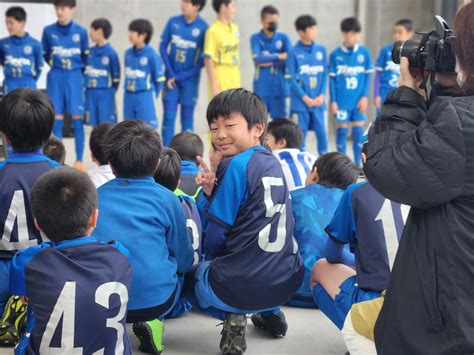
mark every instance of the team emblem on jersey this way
{"type": "Point", "coordinates": [144, 61]}
{"type": "Point", "coordinates": [360, 58]}
{"type": "Point", "coordinates": [105, 60]}
{"type": "Point", "coordinates": [27, 50]}
{"type": "Point", "coordinates": [196, 32]}
{"type": "Point", "coordinates": [319, 55]}
{"type": "Point", "coordinates": [76, 38]}
{"type": "Point", "coordinates": [278, 44]}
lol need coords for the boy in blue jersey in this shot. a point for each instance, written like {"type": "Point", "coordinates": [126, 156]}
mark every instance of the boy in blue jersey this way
{"type": "Point", "coordinates": [307, 70]}
{"type": "Point", "coordinates": [270, 52]}
{"type": "Point", "coordinates": [20, 54]}
{"type": "Point", "coordinates": [313, 209]}
{"type": "Point", "coordinates": [65, 47]}
{"type": "Point", "coordinates": [102, 75]}
{"type": "Point", "coordinates": [386, 71]}
{"type": "Point", "coordinates": [149, 221]}
{"type": "Point", "coordinates": [350, 67]}
{"type": "Point", "coordinates": [182, 44]}
{"type": "Point", "coordinates": [252, 261]}
{"type": "Point", "coordinates": [87, 282]}
{"type": "Point", "coordinates": [144, 75]}
{"type": "Point", "coordinates": [26, 119]}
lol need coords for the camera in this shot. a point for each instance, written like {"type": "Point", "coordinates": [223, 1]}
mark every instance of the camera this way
{"type": "Point", "coordinates": [433, 52]}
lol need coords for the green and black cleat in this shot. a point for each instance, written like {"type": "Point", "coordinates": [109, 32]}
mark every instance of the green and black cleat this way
{"type": "Point", "coordinates": [13, 321]}
{"type": "Point", "coordinates": [233, 334]}
{"type": "Point", "coordinates": [150, 336]}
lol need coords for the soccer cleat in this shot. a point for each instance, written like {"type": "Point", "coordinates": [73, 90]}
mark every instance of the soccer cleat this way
{"type": "Point", "coordinates": [274, 324]}
{"type": "Point", "coordinates": [13, 321]}
{"type": "Point", "coordinates": [78, 165]}
{"type": "Point", "coordinates": [233, 334]}
{"type": "Point", "coordinates": [150, 336]}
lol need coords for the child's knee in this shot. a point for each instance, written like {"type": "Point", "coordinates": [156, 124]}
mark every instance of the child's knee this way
{"type": "Point", "coordinates": [317, 271]}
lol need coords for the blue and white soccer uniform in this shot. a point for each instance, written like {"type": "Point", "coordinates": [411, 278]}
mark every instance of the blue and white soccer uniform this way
{"type": "Point", "coordinates": [144, 78]}
{"type": "Point", "coordinates": [296, 166]}
{"type": "Point", "coordinates": [387, 73]}
{"type": "Point", "coordinates": [102, 77]}
{"type": "Point", "coordinates": [22, 61]}
{"type": "Point", "coordinates": [17, 229]}
{"type": "Point", "coordinates": [181, 48]}
{"type": "Point", "coordinates": [307, 71]}
{"type": "Point", "coordinates": [269, 82]}
{"type": "Point", "coordinates": [372, 225]}
{"type": "Point", "coordinates": [253, 263]}
{"type": "Point", "coordinates": [78, 292]}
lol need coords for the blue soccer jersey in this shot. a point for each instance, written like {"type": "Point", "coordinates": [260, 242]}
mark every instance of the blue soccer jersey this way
{"type": "Point", "coordinates": [17, 176]}
{"type": "Point", "coordinates": [349, 70]}
{"type": "Point", "coordinates": [270, 81]}
{"type": "Point", "coordinates": [193, 223]}
{"type": "Point", "coordinates": [389, 72]}
{"type": "Point", "coordinates": [144, 70]}
{"type": "Point", "coordinates": [65, 47]}
{"type": "Point", "coordinates": [78, 292]}
{"type": "Point", "coordinates": [149, 221]}
{"type": "Point", "coordinates": [373, 226]}
{"type": "Point", "coordinates": [296, 166]}
{"type": "Point", "coordinates": [258, 266]}
{"type": "Point", "coordinates": [102, 68]}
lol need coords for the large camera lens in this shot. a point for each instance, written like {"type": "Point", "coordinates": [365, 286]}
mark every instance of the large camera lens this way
{"type": "Point", "coordinates": [407, 49]}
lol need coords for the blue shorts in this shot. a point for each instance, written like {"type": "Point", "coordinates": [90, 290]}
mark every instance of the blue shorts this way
{"type": "Point", "coordinates": [184, 93]}
{"type": "Point", "coordinates": [4, 283]}
{"type": "Point", "coordinates": [10, 84]}
{"type": "Point", "coordinates": [100, 106]}
{"type": "Point", "coordinates": [141, 106]}
{"type": "Point", "coordinates": [66, 90]}
{"type": "Point", "coordinates": [277, 106]}
{"type": "Point", "coordinates": [348, 116]}
{"type": "Point", "coordinates": [313, 120]}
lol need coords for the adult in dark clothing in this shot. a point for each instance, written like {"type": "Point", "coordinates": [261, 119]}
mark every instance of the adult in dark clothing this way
{"type": "Point", "coordinates": [422, 155]}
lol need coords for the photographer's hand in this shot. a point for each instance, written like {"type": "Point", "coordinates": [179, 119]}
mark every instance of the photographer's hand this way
{"type": "Point", "coordinates": [406, 79]}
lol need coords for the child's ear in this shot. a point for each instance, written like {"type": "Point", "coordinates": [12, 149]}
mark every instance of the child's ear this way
{"type": "Point", "coordinates": [92, 222]}
{"type": "Point", "coordinates": [312, 178]}
{"type": "Point", "coordinates": [37, 225]}
{"type": "Point", "coordinates": [259, 130]}
{"type": "Point", "coordinates": [281, 143]}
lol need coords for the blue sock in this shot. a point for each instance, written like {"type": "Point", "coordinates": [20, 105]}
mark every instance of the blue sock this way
{"type": "Point", "coordinates": [169, 118]}
{"type": "Point", "coordinates": [322, 140]}
{"type": "Point", "coordinates": [357, 137]}
{"type": "Point", "coordinates": [341, 139]}
{"type": "Point", "coordinates": [58, 128]}
{"type": "Point", "coordinates": [187, 118]}
{"type": "Point", "coordinates": [78, 137]}
{"type": "Point", "coordinates": [327, 305]}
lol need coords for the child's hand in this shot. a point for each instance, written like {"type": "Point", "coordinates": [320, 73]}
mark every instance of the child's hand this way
{"type": "Point", "coordinates": [308, 101]}
{"type": "Point", "coordinates": [363, 104]}
{"type": "Point", "coordinates": [334, 108]}
{"type": "Point", "coordinates": [205, 179]}
{"type": "Point", "coordinates": [319, 101]}
{"type": "Point", "coordinates": [171, 83]}
{"type": "Point", "coordinates": [283, 56]}
{"type": "Point", "coordinates": [378, 101]}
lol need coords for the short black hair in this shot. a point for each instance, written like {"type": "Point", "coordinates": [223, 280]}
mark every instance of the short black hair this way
{"type": "Point", "coordinates": [66, 3]}
{"type": "Point", "coordinates": [54, 149]}
{"type": "Point", "coordinates": [63, 200]}
{"type": "Point", "coordinates": [305, 21]}
{"type": "Point", "coordinates": [336, 170]}
{"type": "Point", "coordinates": [200, 3]}
{"type": "Point", "coordinates": [216, 4]}
{"type": "Point", "coordinates": [268, 10]}
{"type": "Point", "coordinates": [96, 142]}
{"type": "Point", "coordinates": [142, 26]}
{"type": "Point", "coordinates": [169, 170]}
{"type": "Point", "coordinates": [351, 24]}
{"type": "Point", "coordinates": [27, 119]}
{"type": "Point", "coordinates": [133, 149]}
{"type": "Point", "coordinates": [104, 25]}
{"type": "Point", "coordinates": [406, 23]}
{"type": "Point", "coordinates": [188, 145]}
{"type": "Point", "coordinates": [288, 130]}
{"type": "Point", "coordinates": [17, 12]}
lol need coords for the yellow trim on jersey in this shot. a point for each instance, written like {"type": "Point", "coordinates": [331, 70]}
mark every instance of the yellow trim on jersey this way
{"type": "Point", "coordinates": [161, 79]}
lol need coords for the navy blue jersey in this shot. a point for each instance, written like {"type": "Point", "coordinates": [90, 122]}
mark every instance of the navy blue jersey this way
{"type": "Point", "coordinates": [270, 81]}
{"type": "Point", "coordinates": [21, 57]}
{"type": "Point", "coordinates": [102, 68]}
{"type": "Point", "coordinates": [259, 267]}
{"type": "Point", "coordinates": [78, 291]}
{"type": "Point", "coordinates": [17, 176]}
{"type": "Point", "coordinates": [65, 47]}
{"type": "Point", "coordinates": [389, 70]}
{"type": "Point", "coordinates": [144, 70]}
{"type": "Point", "coordinates": [193, 222]}
{"type": "Point", "coordinates": [373, 226]}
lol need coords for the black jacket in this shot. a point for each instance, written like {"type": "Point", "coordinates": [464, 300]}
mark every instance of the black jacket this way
{"type": "Point", "coordinates": [424, 157]}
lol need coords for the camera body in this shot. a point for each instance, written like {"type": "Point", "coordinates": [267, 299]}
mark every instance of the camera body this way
{"type": "Point", "coordinates": [433, 53]}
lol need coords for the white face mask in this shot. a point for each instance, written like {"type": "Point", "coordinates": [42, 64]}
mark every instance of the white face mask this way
{"type": "Point", "coordinates": [461, 77]}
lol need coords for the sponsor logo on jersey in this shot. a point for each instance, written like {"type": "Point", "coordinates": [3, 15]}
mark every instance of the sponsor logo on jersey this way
{"type": "Point", "coordinates": [360, 58]}
{"type": "Point", "coordinates": [17, 62]}
{"type": "Point", "coordinates": [348, 70]}
{"type": "Point", "coordinates": [134, 73]}
{"type": "Point", "coordinates": [95, 73]}
{"type": "Point", "coordinates": [180, 42]}
{"type": "Point", "coordinates": [76, 38]}
{"type": "Point", "coordinates": [27, 50]}
{"type": "Point", "coordinates": [319, 55]}
{"type": "Point", "coordinates": [143, 61]}
{"type": "Point", "coordinates": [196, 32]}
{"type": "Point", "coordinates": [311, 69]}
{"type": "Point", "coordinates": [105, 61]}
{"type": "Point", "coordinates": [279, 44]}
{"type": "Point", "coordinates": [66, 52]}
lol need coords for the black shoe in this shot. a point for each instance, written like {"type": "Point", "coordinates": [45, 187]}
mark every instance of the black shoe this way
{"type": "Point", "coordinates": [275, 324]}
{"type": "Point", "coordinates": [233, 334]}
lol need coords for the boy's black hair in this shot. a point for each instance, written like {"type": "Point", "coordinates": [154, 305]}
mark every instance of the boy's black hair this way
{"type": "Point", "coordinates": [216, 4]}
{"type": "Point", "coordinates": [63, 200]}
{"type": "Point", "coordinates": [305, 21]}
{"type": "Point", "coordinates": [336, 170]}
{"type": "Point", "coordinates": [351, 24]}
{"type": "Point", "coordinates": [142, 26]}
{"type": "Point", "coordinates": [200, 3]}
{"type": "Point", "coordinates": [27, 119]}
{"type": "Point", "coordinates": [268, 10]}
{"type": "Point", "coordinates": [169, 170]}
{"type": "Point", "coordinates": [133, 149]}
{"type": "Point", "coordinates": [17, 12]}
{"type": "Point", "coordinates": [96, 141]}
{"type": "Point", "coordinates": [288, 130]}
{"type": "Point", "coordinates": [104, 25]}
{"type": "Point", "coordinates": [406, 23]}
{"type": "Point", "coordinates": [188, 145]}
{"type": "Point", "coordinates": [66, 3]}
{"type": "Point", "coordinates": [54, 149]}
{"type": "Point", "coordinates": [242, 101]}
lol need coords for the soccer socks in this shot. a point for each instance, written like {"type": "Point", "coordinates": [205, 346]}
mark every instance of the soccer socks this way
{"type": "Point", "coordinates": [58, 128]}
{"type": "Point", "coordinates": [327, 305]}
{"type": "Point", "coordinates": [78, 137]}
{"type": "Point", "coordinates": [322, 137]}
{"type": "Point", "coordinates": [357, 137]}
{"type": "Point", "coordinates": [341, 139]}
{"type": "Point", "coordinates": [169, 118]}
{"type": "Point", "coordinates": [187, 118]}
